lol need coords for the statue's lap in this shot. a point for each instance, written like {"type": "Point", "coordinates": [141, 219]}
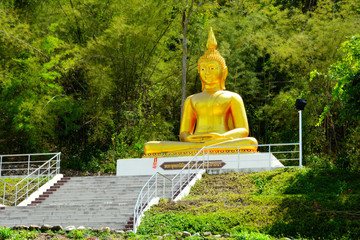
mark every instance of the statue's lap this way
{"type": "Point", "coordinates": [182, 148]}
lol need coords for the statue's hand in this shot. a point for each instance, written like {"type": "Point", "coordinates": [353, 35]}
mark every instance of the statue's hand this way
{"type": "Point", "coordinates": [200, 138]}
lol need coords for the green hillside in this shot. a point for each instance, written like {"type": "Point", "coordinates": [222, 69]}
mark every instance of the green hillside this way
{"type": "Point", "coordinates": [97, 79]}
{"type": "Point", "coordinates": [293, 202]}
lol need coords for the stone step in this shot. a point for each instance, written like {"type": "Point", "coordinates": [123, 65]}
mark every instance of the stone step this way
{"type": "Point", "coordinates": [110, 179]}
{"type": "Point", "coordinates": [94, 201]}
{"type": "Point", "coordinates": [69, 209]}
{"type": "Point", "coordinates": [99, 190]}
{"type": "Point", "coordinates": [89, 198]}
{"type": "Point", "coordinates": [44, 207]}
{"type": "Point", "coordinates": [110, 194]}
{"type": "Point", "coordinates": [83, 212]}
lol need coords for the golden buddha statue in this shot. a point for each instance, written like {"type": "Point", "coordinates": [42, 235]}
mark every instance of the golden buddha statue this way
{"type": "Point", "coordinates": [214, 117]}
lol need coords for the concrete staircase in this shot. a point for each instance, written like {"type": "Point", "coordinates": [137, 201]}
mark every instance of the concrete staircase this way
{"type": "Point", "coordinates": [81, 201]}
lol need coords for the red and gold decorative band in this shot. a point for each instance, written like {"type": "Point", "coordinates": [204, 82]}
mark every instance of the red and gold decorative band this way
{"type": "Point", "coordinates": [193, 153]}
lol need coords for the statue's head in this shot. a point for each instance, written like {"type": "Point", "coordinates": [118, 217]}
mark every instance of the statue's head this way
{"type": "Point", "coordinates": [213, 58]}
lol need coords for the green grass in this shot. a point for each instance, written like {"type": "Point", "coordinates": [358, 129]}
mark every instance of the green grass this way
{"type": "Point", "coordinates": [7, 233]}
{"type": "Point", "coordinates": [293, 202]}
{"type": "Point", "coordinates": [10, 191]}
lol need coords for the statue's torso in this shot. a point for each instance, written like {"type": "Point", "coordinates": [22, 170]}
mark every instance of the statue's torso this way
{"type": "Point", "coordinates": [212, 111]}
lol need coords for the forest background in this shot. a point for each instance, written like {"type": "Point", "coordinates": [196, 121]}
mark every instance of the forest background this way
{"type": "Point", "coordinates": [96, 79]}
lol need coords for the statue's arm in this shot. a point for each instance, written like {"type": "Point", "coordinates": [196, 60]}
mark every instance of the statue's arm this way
{"type": "Point", "coordinates": [238, 114]}
{"type": "Point", "coordinates": [188, 120]}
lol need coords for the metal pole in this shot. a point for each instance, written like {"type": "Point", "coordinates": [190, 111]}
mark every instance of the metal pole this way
{"type": "Point", "coordinates": [300, 138]}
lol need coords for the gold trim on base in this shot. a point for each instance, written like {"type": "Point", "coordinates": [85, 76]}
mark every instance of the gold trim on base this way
{"type": "Point", "coordinates": [193, 153]}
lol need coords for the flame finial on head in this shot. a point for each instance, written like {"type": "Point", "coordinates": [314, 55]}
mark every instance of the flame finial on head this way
{"type": "Point", "coordinates": [211, 42]}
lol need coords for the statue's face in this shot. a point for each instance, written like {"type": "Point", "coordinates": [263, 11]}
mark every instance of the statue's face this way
{"type": "Point", "coordinates": [210, 72]}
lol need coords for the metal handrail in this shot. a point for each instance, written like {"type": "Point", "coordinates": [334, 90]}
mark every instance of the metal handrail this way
{"type": "Point", "coordinates": [188, 168]}
{"type": "Point", "coordinates": [149, 186]}
{"type": "Point", "coordinates": [269, 146]}
{"type": "Point", "coordinates": [140, 204]}
{"type": "Point", "coordinates": [45, 171]}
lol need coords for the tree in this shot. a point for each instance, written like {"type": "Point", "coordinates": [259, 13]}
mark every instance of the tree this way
{"type": "Point", "coordinates": [187, 11]}
{"type": "Point", "coordinates": [343, 108]}
{"type": "Point", "coordinates": [347, 75]}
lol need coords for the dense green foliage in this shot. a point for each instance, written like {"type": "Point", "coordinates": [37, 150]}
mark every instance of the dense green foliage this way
{"type": "Point", "coordinates": [306, 203]}
{"type": "Point", "coordinates": [7, 233]}
{"type": "Point", "coordinates": [97, 79]}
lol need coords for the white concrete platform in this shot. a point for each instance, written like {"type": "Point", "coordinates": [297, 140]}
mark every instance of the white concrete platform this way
{"type": "Point", "coordinates": [217, 163]}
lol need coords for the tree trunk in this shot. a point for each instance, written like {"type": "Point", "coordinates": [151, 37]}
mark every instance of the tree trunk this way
{"type": "Point", "coordinates": [184, 58]}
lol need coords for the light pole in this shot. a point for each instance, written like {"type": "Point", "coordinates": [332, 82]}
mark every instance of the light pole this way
{"type": "Point", "coordinates": [300, 105]}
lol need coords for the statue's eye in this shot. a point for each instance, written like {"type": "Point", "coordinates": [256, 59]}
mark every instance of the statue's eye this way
{"type": "Point", "coordinates": [203, 69]}
{"type": "Point", "coordinates": [212, 68]}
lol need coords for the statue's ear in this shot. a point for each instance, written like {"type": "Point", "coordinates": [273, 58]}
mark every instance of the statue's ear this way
{"type": "Point", "coordinates": [224, 75]}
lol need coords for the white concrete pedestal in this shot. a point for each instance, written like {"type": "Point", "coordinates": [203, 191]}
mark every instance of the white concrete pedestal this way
{"type": "Point", "coordinates": [218, 163]}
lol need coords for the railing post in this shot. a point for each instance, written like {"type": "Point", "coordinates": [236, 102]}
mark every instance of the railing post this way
{"type": "Point", "coordinates": [38, 178]}
{"type": "Point", "coordinates": [189, 170]}
{"type": "Point", "coordinates": [180, 183]}
{"type": "Point", "coordinates": [238, 158]}
{"type": "Point", "coordinates": [4, 193]}
{"type": "Point", "coordinates": [27, 187]}
{"type": "Point", "coordinates": [156, 183]}
{"type": "Point", "coordinates": [49, 170]}
{"type": "Point", "coordinates": [148, 193]}
{"type": "Point", "coordinates": [58, 163]}
{"type": "Point", "coordinates": [28, 172]}
{"type": "Point", "coordinates": [269, 157]}
{"type": "Point", "coordinates": [208, 159]}
{"type": "Point", "coordinates": [203, 151]}
{"type": "Point", "coordinates": [16, 193]}
{"type": "Point", "coordinates": [164, 188]}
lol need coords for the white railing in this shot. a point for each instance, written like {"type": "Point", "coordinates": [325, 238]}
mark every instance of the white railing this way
{"type": "Point", "coordinates": [155, 188]}
{"type": "Point", "coordinates": [287, 153]}
{"type": "Point", "coordinates": [13, 193]}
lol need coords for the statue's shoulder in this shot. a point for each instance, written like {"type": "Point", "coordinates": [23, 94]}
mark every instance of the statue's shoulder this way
{"type": "Point", "coordinates": [232, 94]}
{"type": "Point", "coordinates": [192, 97]}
